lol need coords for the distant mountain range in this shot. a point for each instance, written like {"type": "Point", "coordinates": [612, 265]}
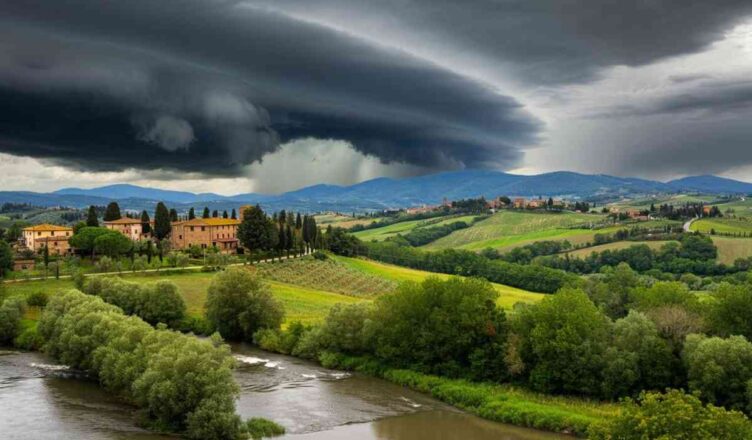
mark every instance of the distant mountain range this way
{"type": "Point", "coordinates": [390, 193]}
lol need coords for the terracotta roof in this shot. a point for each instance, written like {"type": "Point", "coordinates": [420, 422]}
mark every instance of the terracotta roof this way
{"type": "Point", "coordinates": [214, 221]}
{"type": "Point", "coordinates": [123, 221]}
{"type": "Point", "coordinates": [48, 227]}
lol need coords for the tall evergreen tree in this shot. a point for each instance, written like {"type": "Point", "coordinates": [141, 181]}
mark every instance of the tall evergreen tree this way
{"type": "Point", "coordinates": [191, 214]}
{"type": "Point", "coordinates": [206, 212]}
{"type": "Point", "coordinates": [112, 212]}
{"type": "Point", "coordinates": [91, 217]}
{"type": "Point", "coordinates": [215, 214]}
{"type": "Point", "coordinates": [145, 222]}
{"type": "Point", "coordinates": [298, 222]}
{"type": "Point", "coordinates": [282, 217]}
{"type": "Point", "coordinates": [161, 222]}
{"type": "Point", "coordinates": [224, 214]}
{"type": "Point", "coordinates": [281, 238]}
{"type": "Point", "coordinates": [173, 215]}
{"type": "Point", "coordinates": [289, 239]}
{"type": "Point", "coordinates": [234, 215]}
{"type": "Point", "coordinates": [256, 231]}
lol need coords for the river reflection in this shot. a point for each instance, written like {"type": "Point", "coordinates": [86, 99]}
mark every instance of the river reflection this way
{"type": "Point", "coordinates": [40, 400]}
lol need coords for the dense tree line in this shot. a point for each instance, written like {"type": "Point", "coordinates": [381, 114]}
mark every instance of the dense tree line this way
{"type": "Point", "coordinates": [158, 302]}
{"type": "Point", "coordinates": [284, 232]}
{"type": "Point", "coordinates": [425, 235]}
{"type": "Point", "coordinates": [525, 254]}
{"type": "Point", "coordinates": [693, 254]}
{"type": "Point", "coordinates": [458, 262]}
{"type": "Point", "coordinates": [618, 336]}
{"type": "Point", "coordinates": [401, 217]}
{"type": "Point", "coordinates": [182, 384]}
{"type": "Point", "coordinates": [688, 210]}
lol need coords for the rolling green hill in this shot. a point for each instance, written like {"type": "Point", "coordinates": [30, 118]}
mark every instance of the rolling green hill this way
{"type": "Point", "coordinates": [722, 225]}
{"type": "Point", "coordinates": [385, 232]}
{"type": "Point", "coordinates": [510, 227]}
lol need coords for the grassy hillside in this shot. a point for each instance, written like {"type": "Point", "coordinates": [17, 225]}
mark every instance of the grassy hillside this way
{"type": "Point", "coordinates": [509, 227]}
{"type": "Point", "coordinates": [730, 248]}
{"type": "Point", "coordinates": [385, 232]}
{"type": "Point", "coordinates": [329, 275]}
{"type": "Point", "coordinates": [342, 221]}
{"type": "Point", "coordinates": [723, 225]}
{"type": "Point", "coordinates": [508, 296]}
{"type": "Point", "coordinates": [301, 303]}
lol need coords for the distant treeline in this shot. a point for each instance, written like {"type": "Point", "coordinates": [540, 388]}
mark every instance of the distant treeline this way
{"type": "Point", "coordinates": [467, 263]}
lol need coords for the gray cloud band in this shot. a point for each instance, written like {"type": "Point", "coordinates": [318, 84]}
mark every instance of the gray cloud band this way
{"type": "Point", "coordinates": [212, 86]}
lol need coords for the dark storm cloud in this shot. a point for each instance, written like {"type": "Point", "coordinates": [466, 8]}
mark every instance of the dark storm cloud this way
{"type": "Point", "coordinates": [540, 41]}
{"type": "Point", "coordinates": [211, 86]}
{"type": "Point", "coordinates": [707, 100]}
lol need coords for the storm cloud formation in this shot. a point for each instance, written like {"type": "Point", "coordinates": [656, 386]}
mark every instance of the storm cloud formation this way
{"type": "Point", "coordinates": [215, 86]}
{"type": "Point", "coordinates": [212, 86]}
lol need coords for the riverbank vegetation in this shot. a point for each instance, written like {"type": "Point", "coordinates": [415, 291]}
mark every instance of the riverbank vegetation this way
{"type": "Point", "coordinates": [181, 383]}
{"type": "Point", "coordinates": [615, 337]}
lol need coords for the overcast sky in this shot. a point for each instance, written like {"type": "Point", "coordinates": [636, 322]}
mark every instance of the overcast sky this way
{"type": "Point", "coordinates": [271, 95]}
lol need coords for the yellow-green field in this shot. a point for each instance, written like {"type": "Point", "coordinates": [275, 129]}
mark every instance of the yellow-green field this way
{"type": "Point", "coordinates": [508, 296]}
{"type": "Point", "coordinates": [585, 252]}
{"type": "Point", "coordinates": [730, 248]}
{"type": "Point", "coordinates": [507, 228]}
{"type": "Point", "coordinates": [385, 232]}
{"type": "Point", "coordinates": [343, 221]}
{"type": "Point", "coordinates": [722, 226]}
{"type": "Point", "coordinates": [301, 303]}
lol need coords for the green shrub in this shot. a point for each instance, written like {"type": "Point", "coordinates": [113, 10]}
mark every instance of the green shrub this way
{"type": "Point", "coordinates": [258, 427]}
{"type": "Point", "coordinates": [11, 311]}
{"type": "Point", "coordinates": [29, 338]}
{"type": "Point", "coordinates": [673, 415]}
{"type": "Point", "coordinates": [320, 256]}
{"type": "Point", "coordinates": [153, 302]}
{"type": "Point", "coordinates": [239, 304]}
{"type": "Point", "coordinates": [37, 299]}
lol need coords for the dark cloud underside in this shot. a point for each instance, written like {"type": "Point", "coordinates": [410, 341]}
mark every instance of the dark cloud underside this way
{"type": "Point", "coordinates": [211, 86]}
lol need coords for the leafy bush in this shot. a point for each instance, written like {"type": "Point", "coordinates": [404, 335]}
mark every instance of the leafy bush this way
{"type": "Point", "coordinates": [153, 302]}
{"type": "Point", "coordinates": [183, 384]}
{"type": "Point", "coordinates": [420, 236]}
{"type": "Point", "coordinates": [239, 304]}
{"type": "Point", "coordinates": [258, 427]}
{"type": "Point", "coordinates": [37, 299]}
{"type": "Point", "coordinates": [11, 311]}
{"type": "Point", "coordinates": [673, 415]}
{"type": "Point", "coordinates": [719, 370]}
{"type": "Point", "coordinates": [439, 326]}
{"type": "Point", "coordinates": [564, 340]}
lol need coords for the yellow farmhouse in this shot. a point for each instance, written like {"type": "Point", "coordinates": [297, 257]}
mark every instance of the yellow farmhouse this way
{"type": "Point", "coordinates": [53, 236]}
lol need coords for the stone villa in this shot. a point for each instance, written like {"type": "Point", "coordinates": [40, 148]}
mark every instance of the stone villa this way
{"type": "Point", "coordinates": [130, 227]}
{"type": "Point", "coordinates": [53, 236]}
{"type": "Point", "coordinates": [221, 233]}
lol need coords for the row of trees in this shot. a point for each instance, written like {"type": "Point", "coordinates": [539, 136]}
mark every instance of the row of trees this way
{"type": "Point", "coordinates": [693, 254]}
{"type": "Point", "coordinates": [467, 263]}
{"type": "Point", "coordinates": [283, 232]}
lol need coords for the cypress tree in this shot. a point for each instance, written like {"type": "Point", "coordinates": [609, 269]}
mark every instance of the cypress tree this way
{"type": "Point", "coordinates": [145, 225]}
{"type": "Point", "coordinates": [191, 214]}
{"type": "Point", "coordinates": [215, 214]}
{"type": "Point", "coordinates": [112, 212]}
{"type": "Point", "coordinates": [91, 217]}
{"type": "Point", "coordinates": [225, 215]}
{"type": "Point", "coordinates": [173, 215]}
{"type": "Point", "coordinates": [206, 212]}
{"type": "Point", "coordinates": [298, 222]}
{"type": "Point", "coordinates": [161, 222]}
{"type": "Point", "coordinates": [234, 215]}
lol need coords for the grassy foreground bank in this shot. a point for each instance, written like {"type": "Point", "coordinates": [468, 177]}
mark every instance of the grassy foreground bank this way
{"type": "Point", "coordinates": [497, 402]}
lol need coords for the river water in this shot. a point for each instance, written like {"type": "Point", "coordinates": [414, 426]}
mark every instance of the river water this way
{"type": "Point", "coordinates": [42, 400]}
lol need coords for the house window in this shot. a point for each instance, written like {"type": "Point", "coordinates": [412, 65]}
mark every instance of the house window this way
{"type": "Point", "coordinates": [203, 228]}
{"type": "Point", "coordinates": [180, 237]}
{"type": "Point", "coordinates": [203, 245]}
{"type": "Point", "coordinates": [191, 228]}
